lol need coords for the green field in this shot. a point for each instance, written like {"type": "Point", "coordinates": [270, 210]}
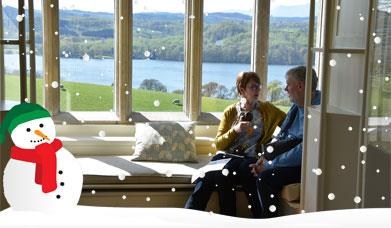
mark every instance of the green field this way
{"type": "Point", "coordinates": [90, 97]}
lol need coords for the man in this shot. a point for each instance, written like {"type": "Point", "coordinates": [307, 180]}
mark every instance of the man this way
{"type": "Point", "coordinates": [285, 168]}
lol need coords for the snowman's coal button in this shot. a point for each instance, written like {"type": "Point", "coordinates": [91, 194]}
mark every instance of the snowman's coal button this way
{"type": "Point", "coordinates": [60, 172]}
{"type": "Point", "coordinates": [58, 196]}
{"type": "Point", "coordinates": [62, 184]}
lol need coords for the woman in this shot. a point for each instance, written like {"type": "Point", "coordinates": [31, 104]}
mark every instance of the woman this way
{"type": "Point", "coordinates": [244, 127]}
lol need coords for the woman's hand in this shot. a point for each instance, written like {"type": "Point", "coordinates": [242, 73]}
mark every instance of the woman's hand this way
{"type": "Point", "coordinates": [242, 126]}
{"type": "Point", "coordinates": [257, 167]}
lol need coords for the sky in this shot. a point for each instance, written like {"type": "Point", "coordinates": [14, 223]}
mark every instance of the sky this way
{"type": "Point", "coordinates": [163, 5]}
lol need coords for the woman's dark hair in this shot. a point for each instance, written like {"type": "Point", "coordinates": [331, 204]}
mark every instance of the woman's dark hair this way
{"type": "Point", "coordinates": [244, 78]}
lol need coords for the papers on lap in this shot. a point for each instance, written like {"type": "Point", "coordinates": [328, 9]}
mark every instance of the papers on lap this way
{"type": "Point", "coordinates": [211, 166]}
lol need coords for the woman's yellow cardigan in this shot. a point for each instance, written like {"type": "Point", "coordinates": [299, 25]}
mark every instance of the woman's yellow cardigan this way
{"type": "Point", "coordinates": [271, 117]}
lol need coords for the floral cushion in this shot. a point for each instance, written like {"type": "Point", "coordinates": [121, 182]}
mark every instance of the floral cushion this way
{"type": "Point", "coordinates": [165, 141]}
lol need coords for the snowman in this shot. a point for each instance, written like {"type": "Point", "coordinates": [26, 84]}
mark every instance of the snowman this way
{"type": "Point", "coordinates": [41, 174]}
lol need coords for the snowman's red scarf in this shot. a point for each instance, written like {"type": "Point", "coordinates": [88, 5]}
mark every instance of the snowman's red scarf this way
{"type": "Point", "coordinates": [44, 156]}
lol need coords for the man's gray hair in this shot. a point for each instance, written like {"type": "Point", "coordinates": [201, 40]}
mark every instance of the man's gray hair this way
{"type": "Point", "coordinates": [299, 74]}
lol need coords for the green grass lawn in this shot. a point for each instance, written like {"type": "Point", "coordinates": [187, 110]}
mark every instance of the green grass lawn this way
{"type": "Point", "coordinates": [91, 97]}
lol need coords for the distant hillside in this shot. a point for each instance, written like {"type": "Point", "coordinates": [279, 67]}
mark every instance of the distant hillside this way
{"type": "Point", "coordinates": [227, 36]}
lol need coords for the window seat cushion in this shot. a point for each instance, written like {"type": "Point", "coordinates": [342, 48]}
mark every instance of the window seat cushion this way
{"type": "Point", "coordinates": [122, 170]}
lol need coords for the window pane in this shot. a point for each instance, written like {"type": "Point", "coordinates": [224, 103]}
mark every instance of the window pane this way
{"type": "Point", "coordinates": [11, 52]}
{"type": "Point", "coordinates": [158, 53]}
{"type": "Point", "coordinates": [377, 166]}
{"type": "Point", "coordinates": [226, 51]}
{"type": "Point", "coordinates": [288, 37]}
{"type": "Point", "coordinates": [86, 55]}
{"type": "Point", "coordinates": [11, 67]}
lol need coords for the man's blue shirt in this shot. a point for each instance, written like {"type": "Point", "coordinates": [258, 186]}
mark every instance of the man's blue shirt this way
{"type": "Point", "coordinates": [292, 157]}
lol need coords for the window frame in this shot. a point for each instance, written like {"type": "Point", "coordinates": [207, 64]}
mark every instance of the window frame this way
{"type": "Point", "coordinates": [123, 64]}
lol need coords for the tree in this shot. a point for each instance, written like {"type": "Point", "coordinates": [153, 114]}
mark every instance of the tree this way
{"type": "Point", "coordinates": [209, 89]}
{"type": "Point", "coordinates": [153, 84]}
{"type": "Point", "coordinates": [221, 92]}
{"type": "Point", "coordinates": [274, 90]}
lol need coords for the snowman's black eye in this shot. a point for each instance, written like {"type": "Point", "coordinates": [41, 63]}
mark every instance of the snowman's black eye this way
{"type": "Point", "coordinates": [28, 129]}
{"type": "Point", "coordinates": [41, 125]}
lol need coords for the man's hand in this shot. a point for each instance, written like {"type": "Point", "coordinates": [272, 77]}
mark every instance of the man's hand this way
{"type": "Point", "coordinates": [257, 167]}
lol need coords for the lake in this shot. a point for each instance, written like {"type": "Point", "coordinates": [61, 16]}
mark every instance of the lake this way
{"type": "Point", "coordinates": [170, 73]}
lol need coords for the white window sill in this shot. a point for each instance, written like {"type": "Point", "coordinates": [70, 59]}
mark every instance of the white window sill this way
{"type": "Point", "coordinates": [65, 118]}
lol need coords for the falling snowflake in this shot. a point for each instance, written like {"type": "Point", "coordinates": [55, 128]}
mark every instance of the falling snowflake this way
{"type": "Point", "coordinates": [191, 17]}
{"type": "Point", "coordinates": [309, 116]}
{"type": "Point", "coordinates": [387, 79]}
{"type": "Point", "coordinates": [51, 5]}
{"type": "Point", "coordinates": [362, 18]}
{"type": "Point", "coordinates": [121, 176]}
{"type": "Point", "coordinates": [377, 40]}
{"type": "Point", "coordinates": [272, 208]}
{"type": "Point", "coordinates": [379, 61]}
{"type": "Point", "coordinates": [350, 128]}
{"type": "Point", "coordinates": [234, 173]}
{"type": "Point", "coordinates": [26, 99]}
{"type": "Point", "coordinates": [343, 167]}
{"type": "Point", "coordinates": [271, 196]}
{"type": "Point", "coordinates": [270, 149]}
{"type": "Point", "coordinates": [123, 197]}
{"type": "Point", "coordinates": [148, 199]}
{"type": "Point", "coordinates": [349, 55]}
{"type": "Point", "coordinates": [156, 103]}
{"type": "Point", "coordinates": [317, 171]}
{"type": "Point", "coordinates": [357, 199]}
{"type": "Point", "coordinates": [363, 149]}
{"type": "Point", "coordinates": [338, 7]}
{"type": "Point", "coordinates": [93, 192]}
{"type": "Point", "coordinates": [363, 162]}
{"type": "Point", "coordinates": [102, 133]}
{"type": "Point", "coordinates": [55, 84]}
{"type": "Point", "coordinates": [85, 41]}
{"type": "Point", "coordinates": [249, 206]}
{"type": "Point", "coordinates": [31, 52]}
{"type": "Point", "coordinates": [56, 33]}
{"type": "Point", "coordinates": [64, 123]}
{"type": "Point", "coordinates": [19, 18]}
{"type": "Point", "coordinates": [147, 54]}
{"type": "Point", "coordinates": [331, 196]}
{"type": "Point", "coordinates": [333, 63]}
{"type": "Point", "coordinates": [361, 91]}
{"type": "Point", "coordinates": [225, 172]}
{"type": "Point", "coordinates": [315, 139]}
{"type": "Point", "coordinates": [377, 170]}
{"type": "Point", "coordinates": [77, 94]}
{"type": "Point", "coordinates": [163, 48]}
{"type": "Point", "coordinates": [173, 189]}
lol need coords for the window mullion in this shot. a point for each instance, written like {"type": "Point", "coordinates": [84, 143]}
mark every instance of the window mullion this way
{"type": "Point", "coordinates": [51, 50]}
{"type": "Point", "coordinates": [2, 71]}
{"type": "Point", "coordinates": [260, 42]}
{"type": "Point", "coordinates": [193, 57]}
{"type": "Point", "coordinates": [124, 59]}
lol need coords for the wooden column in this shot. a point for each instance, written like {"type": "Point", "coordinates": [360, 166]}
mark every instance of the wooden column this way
{"type": "Point", "coordinates": [51, 58]}
{"type": "Point", "coordinates": [123, 65]}
{"type": "Point", "coordinates": [193, 58]}
{"type": "Point", "coordinates": [260, 42]}
{"type": "Point", "coordinates": [22, 52]}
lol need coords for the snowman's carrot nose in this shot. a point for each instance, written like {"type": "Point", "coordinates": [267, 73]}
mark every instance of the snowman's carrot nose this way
{"type": "Point", "coordinates": [39, 133]}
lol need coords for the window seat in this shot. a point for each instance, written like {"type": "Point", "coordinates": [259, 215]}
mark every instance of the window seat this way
{"type": "Point", "coordinates": [118, 181]}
